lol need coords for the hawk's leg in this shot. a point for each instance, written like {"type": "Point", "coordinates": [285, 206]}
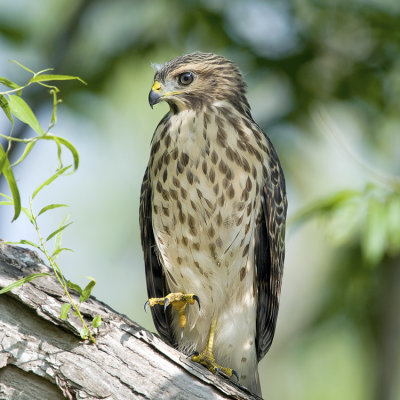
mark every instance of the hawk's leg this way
{"type": "Point", "coordinates": [178, 301]}
{"type": "Point", "coordinates": [206, 357]}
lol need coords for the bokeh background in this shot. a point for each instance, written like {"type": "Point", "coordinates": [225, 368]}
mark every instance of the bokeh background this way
{"type": "Point", "coordinates": [324, 82]}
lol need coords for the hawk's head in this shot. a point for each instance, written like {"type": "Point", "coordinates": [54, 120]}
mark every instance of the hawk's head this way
{"type": "Point", "coordinates": [199, 79]}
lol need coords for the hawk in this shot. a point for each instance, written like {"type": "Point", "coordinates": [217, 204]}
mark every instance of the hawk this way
{"type": "Point", "coordinates": [212, 217]}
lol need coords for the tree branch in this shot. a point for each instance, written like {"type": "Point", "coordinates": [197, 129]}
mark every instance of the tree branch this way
{"type": "Point", "coordinates": [43, 357]}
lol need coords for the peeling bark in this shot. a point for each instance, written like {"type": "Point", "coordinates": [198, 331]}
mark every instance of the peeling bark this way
{"type": "Point", "coordinates": [43, 357]}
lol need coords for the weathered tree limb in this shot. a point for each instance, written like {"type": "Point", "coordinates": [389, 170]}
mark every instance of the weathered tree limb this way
{"type": "Point", "coordinates": [43, 357]}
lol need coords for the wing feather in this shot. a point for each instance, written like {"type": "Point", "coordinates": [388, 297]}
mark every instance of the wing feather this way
{"type": "Point", "coordinates": [269, 254]}
{"type": "Point", "coordinates": [155, 277]}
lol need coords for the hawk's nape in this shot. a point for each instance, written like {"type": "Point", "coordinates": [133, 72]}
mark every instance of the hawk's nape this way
{"type": "Point", "coordinates": [212, 215]}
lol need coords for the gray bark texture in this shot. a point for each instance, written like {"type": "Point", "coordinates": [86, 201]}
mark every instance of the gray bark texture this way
{"type": "Point", "coordinates": [43, 357]}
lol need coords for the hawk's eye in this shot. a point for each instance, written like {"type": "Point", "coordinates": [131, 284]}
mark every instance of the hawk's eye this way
{"type": "Point", "coordinates": [186, 78]}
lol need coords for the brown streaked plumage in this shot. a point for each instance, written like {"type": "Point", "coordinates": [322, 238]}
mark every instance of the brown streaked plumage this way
{"type": "Point", "coordinates": [212, 215]}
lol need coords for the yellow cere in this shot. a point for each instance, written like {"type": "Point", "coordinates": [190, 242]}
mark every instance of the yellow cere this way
{"type": "Point", "coordinates": [156, 86]}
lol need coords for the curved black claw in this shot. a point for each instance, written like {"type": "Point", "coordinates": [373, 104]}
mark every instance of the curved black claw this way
{"type": "Point", "coordinates": [146, 306]}
{"type": "Point", "coordinates": [198, 300]}
{"type": "Point", "coordinates": [166, 303]}
{"type": "Point", "coordinates": [236, 375]}
{"type": "Point", "coordinates": [195, 353]}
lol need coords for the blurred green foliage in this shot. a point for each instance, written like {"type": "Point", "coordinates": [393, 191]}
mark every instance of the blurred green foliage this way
{"type": "Point", "coordinates": [368, 217]}
{"type": "Point", "coordinates": [298, 57]}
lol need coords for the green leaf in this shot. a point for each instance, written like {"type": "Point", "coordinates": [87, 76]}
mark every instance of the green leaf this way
{"type": "Point", "coordinates": [57, 231]}
{"type": "Point", "coordinates": [5, 196]}
{"type": "Point", "coordinates": [3, 158]}
{"type": "Point", "coordinates": [51, 207]}
{"type": "Point", "coordinates": [59, 154]}
{"type": "Point", "coordinates": [74, 286]}
{"type": "Point", "coordinates": [53, 119]}
{"type": "Point", "coordinates": [23, 66]}
{"type": "Point", "coordinates": [27, 150]}
{"type": "Point", "coordinates": [67, 144]}
{"type": "Point", "coordinates": [58, 140]}
{"type": "Point", "coordinates": [84, 333]}
{"type": "Point", "coordinates": [23, 112]}
{"type": "Point", "coordinates": [51, 77]}
{"type": "Point", "coordinates": [44, 70]}
{"type": "Point", "coordinates": [48, 181]}
{"type": "Point", "coordinates": [5, 168]}
{"type": "Point", "coordinates": [87, 291]}
{"type": "Point", "coordinates": [58, 251]}
{"type": "Point", "coordinates": [6, 108]}
{"type": "Point", "coordinates": [22, 281]}
{"type": "Point", "coordinates": [64, 311]}
{"type": "Point", "coordinates": [6, 82]}
{"type": "Point", "coordinates": [58, 236]}
{"type": "Point", "coordinates": [70, 147]}
{"type": "Point", "coordinates": [28, 242]}
{"type": "Point", "coordinates": [96, 321]}
{"type": "Point", "coordinates": [28, 214]}
{"type": "Point", "coordinates": [373, 242]}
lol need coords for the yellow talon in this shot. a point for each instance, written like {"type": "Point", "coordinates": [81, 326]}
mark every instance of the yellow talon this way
{"type": "Point", "coordinates": [178, 300]}
{"type": "Point", "coordinates": [206, 357]}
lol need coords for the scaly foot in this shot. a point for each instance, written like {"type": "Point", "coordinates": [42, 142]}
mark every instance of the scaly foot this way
{"type": "Point", "coordinates": [177, 300]}
{"type": "Point", "coordinates": [206, 357]}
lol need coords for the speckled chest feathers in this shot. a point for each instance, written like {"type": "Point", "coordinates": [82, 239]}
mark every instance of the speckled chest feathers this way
{"type": "Point", "coordinates": [205, 195]}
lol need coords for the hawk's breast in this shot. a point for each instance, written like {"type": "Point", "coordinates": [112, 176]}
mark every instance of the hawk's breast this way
{"type": "Point", "coordinates": [204, 202]}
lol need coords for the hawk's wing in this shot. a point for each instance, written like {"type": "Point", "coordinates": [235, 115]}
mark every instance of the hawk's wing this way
{"type": "Point", "coordinates": [269, 254]}
{"type": "Point", "coordinates": [155, 278]}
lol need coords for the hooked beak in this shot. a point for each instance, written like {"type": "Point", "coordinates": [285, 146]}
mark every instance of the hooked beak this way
{"type": "Point", "coordinates": [155, 95]}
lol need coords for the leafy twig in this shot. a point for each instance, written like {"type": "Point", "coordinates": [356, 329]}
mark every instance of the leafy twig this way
{"type": "Point", "coordinates": [15, 107]}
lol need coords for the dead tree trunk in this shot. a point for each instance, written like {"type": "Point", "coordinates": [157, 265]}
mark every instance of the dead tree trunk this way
{"type": "Point", "coordinates": [43, 357]}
